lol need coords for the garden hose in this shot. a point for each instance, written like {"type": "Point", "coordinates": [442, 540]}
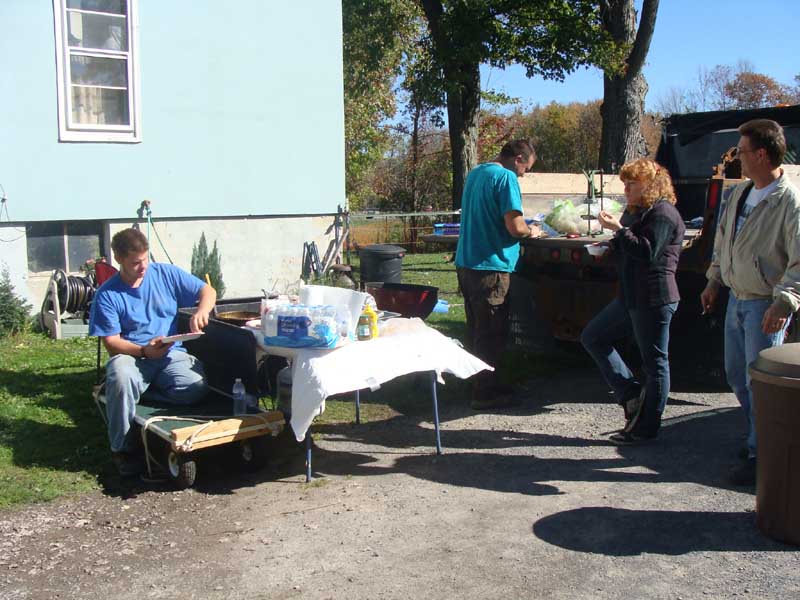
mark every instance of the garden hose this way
{"type": "Point", "coordinates": [75, 293]}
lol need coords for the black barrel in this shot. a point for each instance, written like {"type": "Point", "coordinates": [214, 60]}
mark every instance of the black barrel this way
{"type": "Point", "coordinates": [381, 262]}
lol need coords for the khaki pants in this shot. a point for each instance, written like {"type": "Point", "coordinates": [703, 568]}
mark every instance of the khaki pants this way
{"type": "Point", "coordinates": [486, 305]}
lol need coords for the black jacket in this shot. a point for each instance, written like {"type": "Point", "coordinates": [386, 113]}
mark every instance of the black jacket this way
{"type": "Point", "coordinates": [650, 248]}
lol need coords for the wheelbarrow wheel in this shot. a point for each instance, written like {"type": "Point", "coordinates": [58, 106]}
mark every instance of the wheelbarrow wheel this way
{"type": "Point", "coordinates": [182, 470]}
{"type": "Point", "coordinates": [253, 453]}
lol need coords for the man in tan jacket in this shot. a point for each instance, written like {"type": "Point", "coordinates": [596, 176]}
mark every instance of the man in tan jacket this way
{"type": "Point", "coordinates": [756, 255]}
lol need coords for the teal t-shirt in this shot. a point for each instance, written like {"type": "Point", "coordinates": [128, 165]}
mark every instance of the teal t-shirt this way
{"type": "Point", "coordinates": [484, 243]}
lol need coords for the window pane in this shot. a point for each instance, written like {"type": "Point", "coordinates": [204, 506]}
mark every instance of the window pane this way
{"type": "Point", "coordinates": [92, 70]}
{"type": "Point", "coordinates": [83, 243]}
{"type": "Point", "coordinates": [45, 247]}
{"type": "Point", "coordinates": [117, 7]}
{"type": "Point", "coordinates": [100, 106]}
{"type": "Point", "coordinates": [106, 32]}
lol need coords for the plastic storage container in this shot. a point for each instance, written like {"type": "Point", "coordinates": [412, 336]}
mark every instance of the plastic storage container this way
{"type": "Point", "coordinates": [381, 262]}
{"type": "Point", "coordinates": [775, 383]}
{"type": "Point", "coordinates": [447, 229]}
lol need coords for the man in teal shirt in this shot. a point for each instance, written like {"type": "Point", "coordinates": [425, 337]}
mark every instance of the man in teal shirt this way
{"type": "Point", "coordinates": [488, 248]}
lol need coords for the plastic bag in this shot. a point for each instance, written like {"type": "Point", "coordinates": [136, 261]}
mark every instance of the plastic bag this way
{"type": "Point", "coordinates": [564, 217]}
{"type": "Point", "coordinates": [610, 206]}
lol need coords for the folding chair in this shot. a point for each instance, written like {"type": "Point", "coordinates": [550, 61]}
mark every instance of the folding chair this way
{"type": "Point", "coordinates": [102, 273]}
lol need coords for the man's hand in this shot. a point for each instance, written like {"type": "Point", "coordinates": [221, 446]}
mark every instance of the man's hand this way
{"type": "Point", "coordinates": [708, 297]}
{"type": "Point", "coordinates": [774, 319]}
{"type": "Point", "coordinates": [199, 320]}
{"type": "Point", "coordinates": [155, 348]}
{"type": "Point", "coordinates": [206, 303]}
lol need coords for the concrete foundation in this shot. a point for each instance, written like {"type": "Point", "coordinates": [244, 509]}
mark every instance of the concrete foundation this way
{"type": "Point", "coordinates": [256, 252]}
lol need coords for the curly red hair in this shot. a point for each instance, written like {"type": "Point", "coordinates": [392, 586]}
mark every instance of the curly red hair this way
{"type": "Point", "coordinates": [655, 179]}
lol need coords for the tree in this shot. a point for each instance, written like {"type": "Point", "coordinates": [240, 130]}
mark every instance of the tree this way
{"type": "Point", "coordinates": [624, 92]}
{"type": "Point", "coordinates": [754, 90]}
{"type": "Point", "coordinates": [205, 263]}
{"type": "Point", "coordinates": [376, 34]}
{"type": "Point", "coordinates": [550, 39]}
{"type": "Point", "coordinates": [14, 311]}
{"type": "Point", "coordinates": [567, 136]}
{"type": "Point", "coordinates": [727, 87]}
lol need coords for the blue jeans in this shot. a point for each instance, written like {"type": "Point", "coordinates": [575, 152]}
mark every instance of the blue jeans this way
{"type": "Point", "coordinates": [650, 329]}
{"type": "Point", "coordinates": [744, 339]}
{"type": "Point", "coordinates": [176, 379]}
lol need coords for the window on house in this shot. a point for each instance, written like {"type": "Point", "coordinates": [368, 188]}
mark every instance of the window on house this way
{"type": "Point", "coordinates": [59, 245]}
{"type": "Point", "coordinates": [98, 99]}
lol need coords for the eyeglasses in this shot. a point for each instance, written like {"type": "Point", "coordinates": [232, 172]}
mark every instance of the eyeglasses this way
{"type": "Point", "coordinates": [738, 151]}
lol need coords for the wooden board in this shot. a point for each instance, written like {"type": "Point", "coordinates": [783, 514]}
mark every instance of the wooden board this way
{"type": "Point", "coordinates": [227, 430]}
{"type": "Point", "coordinates": [173, 427]}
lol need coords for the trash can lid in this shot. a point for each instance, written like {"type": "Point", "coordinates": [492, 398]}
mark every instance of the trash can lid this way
{"type": "Point", "coordinates": [383, 250]}
{"type": "Point", "coordinates": [778, 362]}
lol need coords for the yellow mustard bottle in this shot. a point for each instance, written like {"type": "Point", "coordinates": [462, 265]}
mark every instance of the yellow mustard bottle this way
{"type": "Point", "coordinates": [373, 320]}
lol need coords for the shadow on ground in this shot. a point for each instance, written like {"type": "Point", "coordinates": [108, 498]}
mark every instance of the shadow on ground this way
{"type": "Point", "coordinates": [697, 448]}
{"type": "Point", "coordinates": [620, 532]}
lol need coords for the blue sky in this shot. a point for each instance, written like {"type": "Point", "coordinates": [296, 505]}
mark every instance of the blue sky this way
{"type": "Point", "coordinates": [689, 34]}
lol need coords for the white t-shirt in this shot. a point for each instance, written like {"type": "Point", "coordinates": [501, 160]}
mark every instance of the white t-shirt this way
{"type": "Point", "coordinates": [754, 198]}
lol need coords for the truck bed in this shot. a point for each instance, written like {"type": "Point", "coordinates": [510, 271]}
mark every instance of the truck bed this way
{"type": "Point", "coordinates": [562, 241]}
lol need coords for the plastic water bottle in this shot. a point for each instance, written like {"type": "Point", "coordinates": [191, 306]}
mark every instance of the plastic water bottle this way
{"type": "Point", "coordinates": [239, 398]}
{"type": "Point", "coordinates": [271, 323]}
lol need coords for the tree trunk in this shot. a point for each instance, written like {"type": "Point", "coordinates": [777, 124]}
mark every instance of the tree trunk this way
{"type": "Point", "coordinates": [463, 106]}
{"type": "Point", "coordinates": [622, 110]}
{"type": "Point", "coordinates": [463, 89]}
{"type": "Point", "coordinates": [624, 93]}
{"type": "Point", "coordinates": [414, 167]}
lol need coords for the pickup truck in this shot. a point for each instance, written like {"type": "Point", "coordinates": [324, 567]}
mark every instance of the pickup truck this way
{"type": "Point", "coordinates": [568, 286]}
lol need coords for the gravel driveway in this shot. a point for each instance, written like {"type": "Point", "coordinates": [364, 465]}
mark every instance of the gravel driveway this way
{"type": "Point", "coordinates": [532, 502]}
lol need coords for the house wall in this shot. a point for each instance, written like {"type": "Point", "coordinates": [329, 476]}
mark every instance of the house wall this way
{"type": "Point", "coordinates": [242, 136]}
{"type": "Point", "coordinates": [242, 114]}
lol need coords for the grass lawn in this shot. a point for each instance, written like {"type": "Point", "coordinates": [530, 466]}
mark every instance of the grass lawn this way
{"type": "Point", "coordinates": [53, 441]}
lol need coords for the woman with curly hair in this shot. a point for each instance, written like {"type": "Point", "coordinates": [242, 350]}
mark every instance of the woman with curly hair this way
{"type": "Point", "coordinates": [649, 244]}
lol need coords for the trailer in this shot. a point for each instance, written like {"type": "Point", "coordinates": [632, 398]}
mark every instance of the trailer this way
{"type": "Point", "coordinates": [173, 436]}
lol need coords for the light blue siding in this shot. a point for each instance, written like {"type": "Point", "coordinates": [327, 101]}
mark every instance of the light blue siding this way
{"type": "Point", "coordinates": [242, 114]}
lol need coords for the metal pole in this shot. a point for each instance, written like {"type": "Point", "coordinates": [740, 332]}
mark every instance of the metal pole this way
{"type": "Point", "coordinates": [602, 207]}
{"type": "Point", "coordinates": [436, 413]}
{"type": "Point", "coordinates": [308, 456]}
{"type": "Point", "coordinates": [358, 407]}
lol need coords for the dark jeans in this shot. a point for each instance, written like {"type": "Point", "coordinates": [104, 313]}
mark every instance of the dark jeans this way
{"type": "Point", "coordinates": [650, 329]}
{"type": "Point", "coordinates": [486, 305]}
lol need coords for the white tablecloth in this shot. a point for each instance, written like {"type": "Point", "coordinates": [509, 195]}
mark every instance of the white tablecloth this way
{"type": "Point", "coordinates": [406, 346]}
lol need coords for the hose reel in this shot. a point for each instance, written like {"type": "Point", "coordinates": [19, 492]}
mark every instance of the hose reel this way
{"type": "Point", "coordinates": [66, 295]}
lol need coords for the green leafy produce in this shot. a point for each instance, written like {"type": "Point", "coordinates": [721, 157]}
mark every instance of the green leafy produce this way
{"type": "Point", "coordinates": [564, 217]}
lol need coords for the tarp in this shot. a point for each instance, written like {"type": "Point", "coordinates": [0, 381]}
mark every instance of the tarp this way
{"type": "Point", "coordinates": [691, 126]}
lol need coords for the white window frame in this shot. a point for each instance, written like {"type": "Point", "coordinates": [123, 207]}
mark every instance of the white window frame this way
{"type": "Point", "coordinates": [69, 131]}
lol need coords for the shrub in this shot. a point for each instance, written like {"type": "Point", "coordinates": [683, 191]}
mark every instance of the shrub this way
{"type": "Point", "coordinates": [205, 263]}
{"type": "Point", "coordinates": [14, 311]}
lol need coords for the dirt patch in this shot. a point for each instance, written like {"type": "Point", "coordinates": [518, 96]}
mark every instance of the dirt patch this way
{"type": "Point", "coordinates": [532, 502]}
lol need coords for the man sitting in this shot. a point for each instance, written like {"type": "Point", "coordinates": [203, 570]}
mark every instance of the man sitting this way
{"type": "Point", "coordinates": [132, 312]}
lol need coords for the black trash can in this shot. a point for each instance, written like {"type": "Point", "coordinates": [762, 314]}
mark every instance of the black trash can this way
{"type": "Point", "coordinates": [381, 262]}
{"type": "Point", "coordinates": [775, 381]}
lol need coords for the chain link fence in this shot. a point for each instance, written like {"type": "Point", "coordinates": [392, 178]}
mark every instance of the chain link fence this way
{"type": "Point", "coordinates": [401, 229]}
